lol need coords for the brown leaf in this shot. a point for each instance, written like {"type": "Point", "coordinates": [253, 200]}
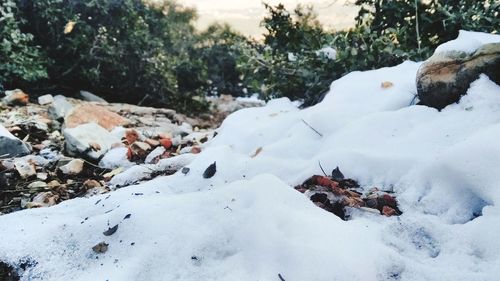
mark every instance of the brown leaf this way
{"type": "Point", "coordinates": [257, 152]}
{"type": "Point", "coordinates": [386, 85]}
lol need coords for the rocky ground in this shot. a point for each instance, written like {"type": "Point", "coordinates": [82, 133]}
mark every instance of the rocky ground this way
{"type": "Point", "coordinates": [61, 148]}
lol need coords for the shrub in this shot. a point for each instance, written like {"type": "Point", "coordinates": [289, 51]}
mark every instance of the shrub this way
{"type": "Point", "coordinates": [290, 62]}
{"type": "Point", "coordinates": [123, 50]}
{"type": "Point", "coordinates": [218, 49]}
{"type": "Point", "coordinates": [387, 33]}
{"type": "Point", "coordinates": [20, 59]}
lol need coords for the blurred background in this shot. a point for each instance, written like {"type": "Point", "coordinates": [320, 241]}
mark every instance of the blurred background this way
{"type": "Point", "coordinates": [246, 15]}
{"type": "Point", "coordinates": [175, 54]}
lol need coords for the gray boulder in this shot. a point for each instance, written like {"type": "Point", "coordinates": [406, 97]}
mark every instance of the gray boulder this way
{"type": "Point", "coordinates": [10, 146]}
{"type": "Point", "coordinates": [88, 96]}
{"type": "Point", "coordinates": [445, 77]}
{"type": "Point", "coordinates": [60, 107]}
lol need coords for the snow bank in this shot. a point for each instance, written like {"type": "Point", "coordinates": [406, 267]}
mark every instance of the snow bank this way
{"type": "Point", "coordinates": [247, 223]}
{"type": "Point", "coordinates": [468, 41]}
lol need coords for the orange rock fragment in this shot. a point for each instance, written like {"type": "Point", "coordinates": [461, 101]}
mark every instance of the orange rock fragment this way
{"type": "Point", "coordinates": [166, 143]}
{"type": "Point", "coordinates": [131, 136]}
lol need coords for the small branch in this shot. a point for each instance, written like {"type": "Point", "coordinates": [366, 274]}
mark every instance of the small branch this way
{"type": "Point", "coordinates": [321, 167]}
{"type": "Point", "coordinates": [281, 277]}
{"type": "Point", "coordinates": [316, 131]}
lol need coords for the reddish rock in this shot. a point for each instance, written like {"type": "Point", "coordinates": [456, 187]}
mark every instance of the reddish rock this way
{"type": "Point", "coordinates": [166, 143]}
{"type": "Point", "coordinates": [16, 97]}
{"type": "Point", "coordinates": [388, 211]}
{"type": "Point", "coordinates": [91, 113]}
{"type": "Point", "coordinates": [131, 136]}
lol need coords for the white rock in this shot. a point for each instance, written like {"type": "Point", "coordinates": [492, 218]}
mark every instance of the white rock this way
{"type": "Point", "coordinates": [60, 107]}
{"type": "Point", "coordinates": [24, 168]}
{"type": "Point", "coordinates": [74, 167]}
{"type": "Point", "coordinates": [78, 140]}
{"type": "Point", "coordinates": [154, 154]}
{"type": "Point", "coordinates": [45, 99]}
{"type": "Point", "coordinates": [44, 199]}
{"type": "Point", "coordinates": [88, 96]}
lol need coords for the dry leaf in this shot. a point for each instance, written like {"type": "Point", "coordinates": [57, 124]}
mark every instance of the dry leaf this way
{"type": "Point", "coordinates": [259, 150]}
{"type": "Point", "coordinates": [69, 27]}
{"type": "Point", "coordinates": [387, 84]}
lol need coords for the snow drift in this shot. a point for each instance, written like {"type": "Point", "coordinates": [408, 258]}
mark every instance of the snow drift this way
{"type": "Point", "coordinates": [247, 223]}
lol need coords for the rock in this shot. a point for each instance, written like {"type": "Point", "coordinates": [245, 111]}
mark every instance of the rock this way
{"type": "Point", "coordinates": [88, 96]}
{"type": "Point", "coordinates": [79, 139]}
{"type": "Point", "coordinates": [91, 113]}
{"type": "Point", "coordinates": [37, 186]}
{"type": "Point", "coordinates": [140, 149]}
{"type": "Point", "coordinates": [445, 77]}
{"type": "Point", "coordinates": [89, 184]}
{"type": "Point", "coordinates": [131, 136]}
{"type": "Point", "coordinates": [60, 107]}
{"type": "Point", "coordinates": [10, 146]}
{"type": "Point", "coordinates": [44, 199]}
{"type": "Point", "coordinates": [166, 143]}
{"type": "Point", "coordinates": [45, 99]}
{"type": "Point", "coordinates": [74, 167]}
{"type": "Point", "coordinates": [24, 168]}
{"type": "Point", "coordinates": [16, 97]}
{"type": "Point", "coordinates": [155, 155]}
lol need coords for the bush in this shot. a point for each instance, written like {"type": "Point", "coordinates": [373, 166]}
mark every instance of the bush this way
{"type": "Point", "coordinates": [218, 49]}
{"type": "Point", "coordinates": [292, 62]}
{"type": "Point", "coordinates": [21, 60]}
{"type": "Point", "coordinates": [123, 50]}
{"type": "Point", "coordinates": [387, 33]}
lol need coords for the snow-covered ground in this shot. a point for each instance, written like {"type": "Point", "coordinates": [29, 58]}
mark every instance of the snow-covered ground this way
{"type": "Point", "coordinates": [248, 223]}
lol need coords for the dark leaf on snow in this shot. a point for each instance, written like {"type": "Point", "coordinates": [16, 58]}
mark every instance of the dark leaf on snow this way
{"type": "Point", "coordinates": [210, 171]}
{"type": "Point", "coordinates": [127, 216]}
{"type": "Point", "coordinates": [185, 170]}
{"type": "Point", "coordinates": [110, 231]}
{"type": "Point", "coordinates": [100, 248]}
{"type": "Point", "coordinates": [337, 174]}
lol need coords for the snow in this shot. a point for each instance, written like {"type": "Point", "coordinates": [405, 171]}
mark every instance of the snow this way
{"type": "Point", "coordinates": [329, 52]}
{"type": "Point", "coordinates": [115, 158]}
{"type": "Point", "coordinates": [468, 41]}
{"type": "Point", "coordinates": [247, 223]}
{"type": "Point", "coordinates": [5, 133]}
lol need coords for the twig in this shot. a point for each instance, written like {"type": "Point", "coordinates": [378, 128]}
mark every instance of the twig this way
{"type": "Point", "coordinates": [417, 26]}
{"type": "Point", "coordinates": [321, 167]}
{"type": "Point", "coordinates": [281, 277]}
{"type": "Point", "coordinates": [316, 131]}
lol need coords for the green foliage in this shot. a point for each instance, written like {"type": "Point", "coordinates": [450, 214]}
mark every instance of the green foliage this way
{"type": "Point", "coordinates": [20, 58]}
{"type": "Point", "coordinates": [124, 50]}
{"type": "Point", "coordinates": [423, 25]}
{"type": "Point", "coordinates": [289, 62]}
{"type": "Point", "coordinates": [148, 52]}
{"type": "Point", "coordinates": [218, 49]}
{"type": "Point", "coordinates": [387, 33]}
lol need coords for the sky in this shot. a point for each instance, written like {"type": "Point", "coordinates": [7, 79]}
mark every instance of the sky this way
{"type": "Point", "coordinates": [245, 15]}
